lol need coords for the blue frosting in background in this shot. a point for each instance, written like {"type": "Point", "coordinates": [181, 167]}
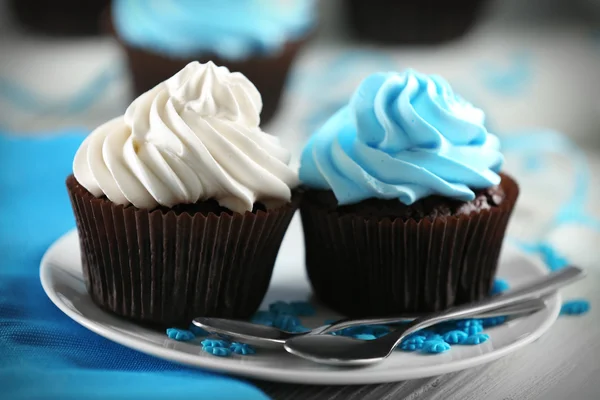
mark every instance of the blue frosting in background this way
{"type": "Point", "coordinates": [404, 136]}
{"type": "Point", "coordinates": [232, 29]}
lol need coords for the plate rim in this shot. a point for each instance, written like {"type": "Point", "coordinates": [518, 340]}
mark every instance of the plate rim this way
{"type": "Point", "coordinates": [234, 367]}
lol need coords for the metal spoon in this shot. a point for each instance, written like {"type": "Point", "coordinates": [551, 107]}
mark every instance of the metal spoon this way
{"type": "Point", "coordinates": [345, 351]}
{"type": "Point", "coordinates": [271, 337]}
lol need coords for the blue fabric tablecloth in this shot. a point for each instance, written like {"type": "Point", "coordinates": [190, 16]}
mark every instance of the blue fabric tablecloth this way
{"type": "Point", "coordinates": [43, 354]}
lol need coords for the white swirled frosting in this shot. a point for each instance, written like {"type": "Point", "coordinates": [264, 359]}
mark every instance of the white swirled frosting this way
{"type": "Point", "coordinates": [193, 137]}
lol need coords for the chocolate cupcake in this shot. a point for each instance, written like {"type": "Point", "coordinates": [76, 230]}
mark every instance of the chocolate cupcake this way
{"type": "Point", "coordinates": [182, 203]}
{"type": "Point", "coordinates": [61, 17]}
{"type": "Point", "coordinates": [412, 22]}
{"type": "Point", "coordinates": [405, 209]}
{"type": "Point", "coordinates": [257, 39]}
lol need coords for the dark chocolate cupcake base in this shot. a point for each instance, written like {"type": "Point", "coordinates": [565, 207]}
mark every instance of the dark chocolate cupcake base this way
{"type": "Point", "coordinates": [412, 22]}
{"type": "Point", "coordinates": [267, 72]}
{"type": "Point", "coordinates": [61, 17]}
{"type": "Point", "coordinates": [166, 267]}
{"type": "Point", "coordinates": [368, 260]}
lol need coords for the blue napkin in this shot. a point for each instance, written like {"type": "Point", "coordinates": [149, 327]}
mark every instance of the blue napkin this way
{"type": "Point", "coordinates": [43, 354]}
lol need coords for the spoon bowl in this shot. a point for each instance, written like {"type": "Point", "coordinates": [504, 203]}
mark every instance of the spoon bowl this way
{"type": "Point", "coordinates": [343, 351]}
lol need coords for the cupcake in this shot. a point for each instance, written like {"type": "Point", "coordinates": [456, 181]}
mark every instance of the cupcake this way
{"type": "Point", "coordinates": [412, 22]}
{"type": "Point", "coordinates": [182, 203]}
{"type": "Point", "coordinates": [60, 17]}
{"type": "Point", "coordinates": [257, 38]}
{"type": "Point", "coordinates": [405, 208]}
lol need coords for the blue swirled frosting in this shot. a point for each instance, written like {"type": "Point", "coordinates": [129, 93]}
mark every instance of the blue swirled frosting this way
{"type": "Point", "coordinates": [405, 136]}
{"type": "Point", "coordinates": [233, 29]}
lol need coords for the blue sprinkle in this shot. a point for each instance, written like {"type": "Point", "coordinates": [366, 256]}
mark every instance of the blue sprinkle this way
{"type": "Point", "coordinates": [181, 335]}
{"type": "Point", "coordinates": [303, 308]}
{"type": "Point", "coordinates": [500, 285]}
{"type": "Point", "coordinates": [472, 329]}
{"type": "Point", "coordinates": [435, 346]}
{"type": "Point", "coordinates": [477, 338]}
{"type": "Point", "coordinates": [493, 321]}
{"type": "Point", "coordinates": [217, 351]}
{"type": "Point", "coordinates": [464, 323]}
{"type": "Point", "coordinates": [281, 307]}
{"type": "Point", "coordinates": [300, 329]}
{"type": "Point", "coordinates": [417, 335]}
{"type": "Point", "coordinates": [445, 327]}
{"type": "Point", "coordinates": [553, 259]}
{"type": "Point", "coordinates": [427, 333]}
{"type": "Point", "coordinates": [215, 343]}
{"type": "Point", "coordinates": [196, 330]}
{"type": "Point", "coordinates": [434, 337]}
{"type": "Point", "coordinates": [455, 337]}
{"type": "Point", "coordinates": [412, 344]}
{"type": "Point", "coordinates": [364, 336]}
{"type": "Point", "coordinates": [575, 307]}
{"type": "Point", "coordinates": [414, 339]}
{"type": "Point", "coordinates": [376, 330]}
{"type": "Point", "coordinates": [286, 322]}
{"type": "Point", "coordinates": [263, 318]}
{"type": "Point", "coordinates": [242, 349]}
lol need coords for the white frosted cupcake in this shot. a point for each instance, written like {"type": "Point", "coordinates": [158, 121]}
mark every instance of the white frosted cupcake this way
{"type": "Point", "coordinates": [182, 203]}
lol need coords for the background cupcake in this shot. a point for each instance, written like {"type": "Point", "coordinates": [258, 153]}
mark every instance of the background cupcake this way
{"type": "Point", "coordinates": [258, 38]}
{"type": "Point", "coordinates": [182, 203]}
{"type": "Point", "coordinates": [405, 209]}
{"type": "Point", "coordinates": [60, 17]}
{"type": "Point", "coordinates": [412, 22]}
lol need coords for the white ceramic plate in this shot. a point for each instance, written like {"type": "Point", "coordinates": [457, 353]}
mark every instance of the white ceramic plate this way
{"type": "Point", "coordinates": [62, 280]}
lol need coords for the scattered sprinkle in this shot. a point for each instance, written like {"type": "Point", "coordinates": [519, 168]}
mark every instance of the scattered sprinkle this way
{"type": "Point", "coordinates": [472, 330]}
{"type": "Point", "coordinates": [377, 330]}
{"type": "Point", "coordinates": [217, 351]}
{"type": "Point", "coordinates": [364, 336]}
{"type": "Point", "coordinates": [215, 343]}
{"type": "Point", "coordinates": [263, 318]}
{"type": "Point", "coordinates": [242, 349]}
{"type": "Point", "coordinates": [435, 346]}
{"type": "Point", "coordinates": [493, 321]}
{"type": "Point", "coordinates": [281, 307]}
{"type": "Point", "coordinates": [412, 344]}
{"type": "Point", "coordinates": [427, 333]}
{"type": "Point", "coordinates": [455, 337]}
{"type": "Point", "coordinates": [477, 338]}
{"type": "Point", "coordinates": [197, 331]}
{"type": "Point", "coordinates": [286, 322]}
{"type": "Point", "coordinates": [300, 329]}
{"type": "Point", "coordinates": [181, 335]}
{"type": "Point", "coordinates": [303, 308]}
{"type": "Point", "coordinates": [464, 323]}
{"type": "Point", "coordinates": [500, 285]}
{"type": "Point", "coordinates": [575, 307]}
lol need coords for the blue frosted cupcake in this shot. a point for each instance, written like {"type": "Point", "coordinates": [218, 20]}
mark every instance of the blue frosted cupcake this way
{"type": "Point", "coordinates": [255, 37]}
{"type": "Point", "coordinates": [405, 208]}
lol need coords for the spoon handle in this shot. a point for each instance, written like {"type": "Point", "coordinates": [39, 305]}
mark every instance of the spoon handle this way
{"type": "Point", "coordinates": [536, 289]}
{"type": "Point", "coordinates": [525, 307]}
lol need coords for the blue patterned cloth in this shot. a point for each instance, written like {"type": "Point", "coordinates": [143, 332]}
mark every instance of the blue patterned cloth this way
{"type": "Point", "coordinates": [43, 354]}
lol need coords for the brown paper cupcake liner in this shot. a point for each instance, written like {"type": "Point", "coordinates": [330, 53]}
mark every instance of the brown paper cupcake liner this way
{"type": "Point", "coordinates": [167, 267]}
{"type": "Point", "coordinates": [412, 22]}
{"type": "Point", "coordinates": [371, 266]}
{"type": "Point", "coordinates": [60, 17]}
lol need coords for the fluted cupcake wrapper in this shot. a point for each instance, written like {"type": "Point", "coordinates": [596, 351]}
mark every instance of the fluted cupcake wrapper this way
{"type": "Point", "coordinates": [413, 22]}
{"type": "Point", "coordinates": [166, 268]}
{"type": "Point", "coordinates": [377, 266]}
